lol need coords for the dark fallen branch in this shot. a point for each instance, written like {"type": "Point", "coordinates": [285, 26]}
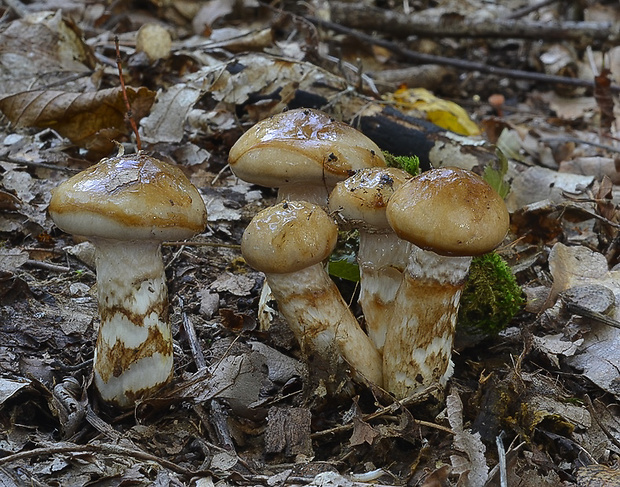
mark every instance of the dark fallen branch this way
{"type": "Point", "coordinates": [453, 62]}
{"type": "Point", "coordinates": [453, 25]}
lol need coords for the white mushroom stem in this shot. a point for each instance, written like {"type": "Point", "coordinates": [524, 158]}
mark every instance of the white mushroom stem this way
{"type": "Point", "coordinates": [418, 345]}
{"type": "Point", "coordinates": [320, 318]}
{"type": "Point", "coordinates": [312, 193]}
{"type": "Point", "coordinates": [381, 258]}
{"type": "Point", "coordinates": [134, 348]}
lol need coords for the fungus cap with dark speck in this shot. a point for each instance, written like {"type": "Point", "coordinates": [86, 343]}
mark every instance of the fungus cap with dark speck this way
{"type": "Point", "coordinates": [301, 146]}
{"type": "Point", "coordinates": [288, 237]}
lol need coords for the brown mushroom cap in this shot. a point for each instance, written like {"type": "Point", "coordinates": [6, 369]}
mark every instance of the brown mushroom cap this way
{"type": "Point", "coordinates": [130, 197]}
{"type": "Point", "coordinates": [361, 199]}
{"type": "Point", "coordinates": [288, 237]}
{"type": "Point", "coordinates": [301, 146]}
{"type": "Point", "coordinates": [449, 211]}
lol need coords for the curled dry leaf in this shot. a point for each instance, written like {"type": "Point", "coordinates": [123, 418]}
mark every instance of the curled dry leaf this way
{"type": "Point", "coordinates": [40, 49]}
{"type": "Point", "coordinates": [471, 464]}
{"type": "Point", "coordinates": [90, 120]}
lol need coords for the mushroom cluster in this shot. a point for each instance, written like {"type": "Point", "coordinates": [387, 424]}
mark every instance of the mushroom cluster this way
{"type": "Point", "coordinates": [417, 238]}
{"type": "Point", "coordinates": [127, 206]}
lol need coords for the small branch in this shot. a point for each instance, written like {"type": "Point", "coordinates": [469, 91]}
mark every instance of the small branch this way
{"type": "Point", "coordinates": [392, 408]}
{"type": "Point", "coordinates": [40, 165]}
{"type": "Point", "coordinates": [192, 338]}
{"type": "Point", "coordinates": [119, 65]}
{"type": "Point", "coordinates": [453, 62]}
{"type": "Point", "coordinates": [195, 243]}
{"type": "Point", "coordinates": [396, 24]}
{"type": "Point", "coordinates": [47, 266]}
{"type": "Point", "coordinates": [522, 12]}
{"type": "Point", "coordinates": [100, 448]}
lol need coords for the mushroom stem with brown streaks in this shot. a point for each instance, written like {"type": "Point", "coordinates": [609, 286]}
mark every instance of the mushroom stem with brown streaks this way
{"type": "Point", "coordinates": [289, 242]}
{"type": "Point", "coordinates": [127, 205]}
{"type": "Point", "coordinates": [448, 215]}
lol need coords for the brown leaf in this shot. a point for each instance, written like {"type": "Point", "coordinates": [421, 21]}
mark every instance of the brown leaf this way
{"type": "Point", "coordinates": [91, 120]}
{"type": "Point", "coordinates": [362, 432]}
{"type": "Point", "coordinates": [43, 48]}
{"type": "Point", "coordinates": [8, 202]}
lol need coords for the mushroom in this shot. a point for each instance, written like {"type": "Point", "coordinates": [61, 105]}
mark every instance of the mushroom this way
{"type": "Point", "coordinates": [126, 206]}
{"type": "Point", "coordinates": [449, 215]}
{"type": "Point", "coordinates": [303, 152]}
{"type": "Point", "coordinates": [289, 242]}
{"type": "Point", "coordinates": [360, 201]}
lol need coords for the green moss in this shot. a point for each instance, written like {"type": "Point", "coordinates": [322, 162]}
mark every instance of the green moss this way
{"type": "Point", "coordinates": [491, 296]}
{"type": "Point", "coordinates": [411, 164]}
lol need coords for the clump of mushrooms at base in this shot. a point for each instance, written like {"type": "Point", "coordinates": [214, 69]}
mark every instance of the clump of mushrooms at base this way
{"type": "Point", "coordinates": [417, 238]}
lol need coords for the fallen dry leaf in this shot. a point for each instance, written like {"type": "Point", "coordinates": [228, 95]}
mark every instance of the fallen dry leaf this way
{"type": "Point", "coordinates": [90, 120]}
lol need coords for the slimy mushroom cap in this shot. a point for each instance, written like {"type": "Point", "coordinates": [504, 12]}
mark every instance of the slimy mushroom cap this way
{"type": "Point", "coordinates": [129, 197]}
{"type": "Point", "coordinates": [287, 237]}
{"type": "Point", "coordinates": [361, 199]}
{"type": "Point", "coordinates": [449, 211]}
{"type": "Point", "coordinates": [301, 146]}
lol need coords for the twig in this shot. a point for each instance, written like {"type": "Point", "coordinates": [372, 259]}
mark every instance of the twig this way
{"type": "Point", "coordinates": [104, 448]}
{"type": "Point", "coordinates": [41, 165]}
{"type": "Point", "coordinates": [119, 65]}
{"type": "Point", "coordinates": [392, 408]}
{"type": "Point", "coordinates": [522, 12]}
{"type": "Point", "coordinates": [194, 344]}
{"type": "Point", "coordinates": [395, 24]}
{"type": "Point", "coordinates": [579, 310]}
{"type": "Point", "coordinates": [580, 141]}
{"type": "Point", "coordinates": [193, 243]}
{"type": "Point", "coordinates": [453, 62]}
{"type": "Point", "coordinates": [592, 412]}
{"type": "Point", "coordinates": [47, 266]}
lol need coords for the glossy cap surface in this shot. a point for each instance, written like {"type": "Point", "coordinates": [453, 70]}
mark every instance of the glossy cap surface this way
{"type": "Point", "coordinates": [361, 199]}
{"type": "Point", "coordinates": [288, 237]}
{"type": "Point", "coordinates": [129, 197]}
{"type": "Point", "coordinates": [449, 211]}
{"type": "Point", "coordinates": [301, 146]}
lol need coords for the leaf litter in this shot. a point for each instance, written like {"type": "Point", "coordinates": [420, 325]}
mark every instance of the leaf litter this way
{"type": "Point", "coordinates": [547, 386]}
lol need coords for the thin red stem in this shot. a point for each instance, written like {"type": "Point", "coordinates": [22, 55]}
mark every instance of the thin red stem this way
{"type": "Point", "coordinates": [129, 115]}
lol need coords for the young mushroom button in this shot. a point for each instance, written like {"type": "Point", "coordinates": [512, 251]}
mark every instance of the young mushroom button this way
{"type": "Point", "coordinates": [288, 242]}
{"type": "Point", "coordinates": [126, 206]}
{"type": "Point", "coordinates": [360, 201]}
{"type": "Point", "coordinates": [303, 152]}
{"type": "Point", "coordinates": [449, 215]}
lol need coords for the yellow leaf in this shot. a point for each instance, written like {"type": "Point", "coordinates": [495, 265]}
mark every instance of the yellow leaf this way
{"type": "Point", "coordinates": [443, 113]}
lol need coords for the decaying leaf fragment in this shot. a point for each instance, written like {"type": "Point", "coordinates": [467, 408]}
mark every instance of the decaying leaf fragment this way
{"type": "Point", "coordinates": [91, 120]}
{"type": "Point", "coordinates": [40, 49]}
{"type": "Point", "coordinates": [471, 465]}
{"type": "Point", "coordinates": [599, 355]}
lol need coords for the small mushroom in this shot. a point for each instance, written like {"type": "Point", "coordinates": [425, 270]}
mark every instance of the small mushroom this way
{"type": "Point", "coordinates": [303, 152]}
{"type": "Point", "coordinates": [360, 201]}
{"type": "Point", "coordinates": [449, 215]}
{"type": "Point", "coordinates": [126, 206]}
{"type": "Point", "coordinates": [289, 242]}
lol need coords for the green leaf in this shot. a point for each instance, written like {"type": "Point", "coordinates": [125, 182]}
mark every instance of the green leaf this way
{"type": "Point", "coordinates": [495, 175]}
{"type": "Point", "coordinates": [345, 268]}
